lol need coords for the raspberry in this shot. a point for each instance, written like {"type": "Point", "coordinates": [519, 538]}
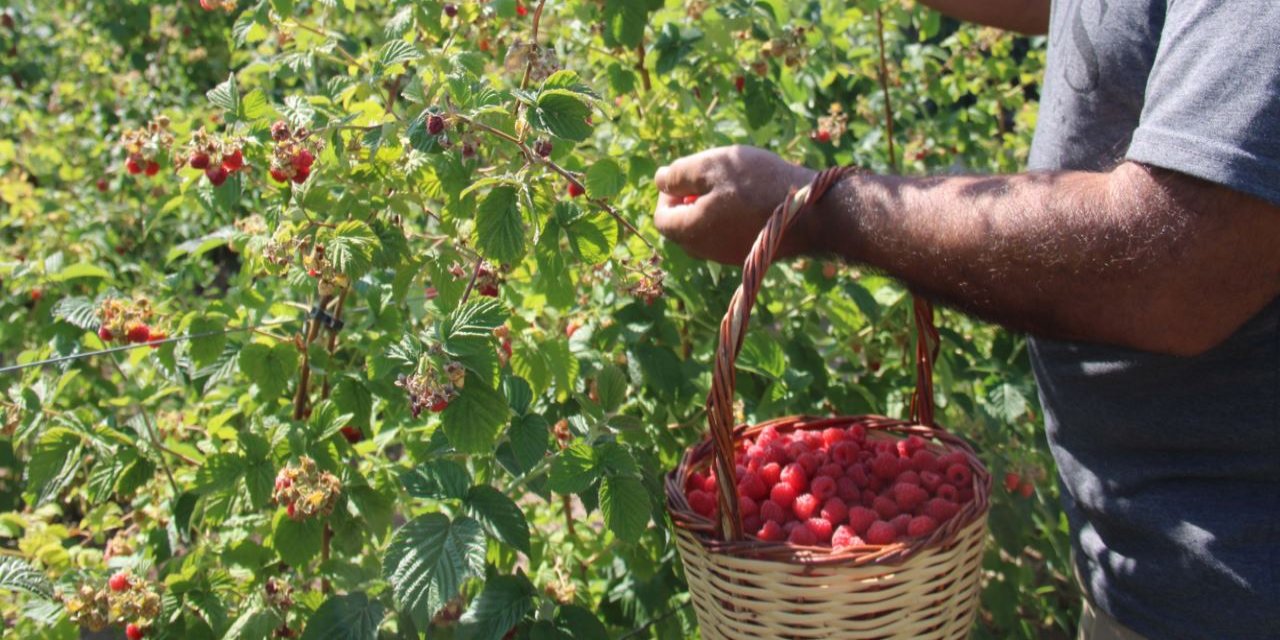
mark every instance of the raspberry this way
{"type": "Point", "coordinates": [702, 503]}
{"type": "Point", "coordinates": [885, 466]}
{"type": "Point", "coordinates": [847, 490]}
{"type": "Point", "coordinates": [709, 483]}
{"type": "Point", "coordinates": [795, 449]}
{"type": "Point", "coordinates": [783, 494]}
{"type": "Point", "coordinates": [1012, 481]}
{"type": "Point", "coordinates": [216, 175]}
{"type": "Point", "coordinates": [695, 481]}
{"type": "Point", "coordinates": [302, 160]}
{"type": "Point", "coordinates": [118, 582]}
{"type": "Point", "coordinates": [575, 190]}
{"type": "Point", "coordinates": [823, 487]}
{"type": "Point", "coordinates": [771, 531]}
{"type": "Point", "coordinates": [352, 433]}
{"type": "Point", "coordinates": [904, 451]}
{"type": "Point", "coordinates": [940, 510]}
{"type": "Point", "coordinates": [773, 512]}
{"type": "Point", "coordinates": [521, 10]}
{"type": "Point", "coordinates": [156, 338]}
{"type": "Point", "coordinates": [843, 536]}
{"type": "Point", "coordinates": [823, 136]}
{"type": "Point", "coordinates": [105, 334]}
{"type": "Point", "coordinates": [138, 333]}
{"type": "Point", "coordinates": [858, 433]}
{"type": "Point", "coordinates": [134, 632]}
{"type": "Point", "coordinates": [831, 470]}
{"type": "Point", "coordinates": [1027, 490]}
{"type": "Point", "coordinates": [198, 160]}
{"type": "Point", "coordinates": [279, 174]}
{"type": "Point", "coordinates": [900, 523]}
{"type": "Point", "coordinates": [915, 443]}
{"type": "Point", "coordinates": [153, 168]}
{"type": "Point", "coordinates": [881, 532]}
{"type": "Point", "coordinates": [754, 451]}
{"type": "Point", "coordinates": [921, 526]}
{"type": "Point", "coordinates": [771, 473]}
{"type": "Point", "coordinates": [813, 439]}
{"type": "Point", "coordinates": [795, 476]}
{"type": "Point", "coordinates": [300, 175]}
{"type": "Point", "coordinates": [435, 124]}
{"type": "Point", "coordinates": [922, 461]}
{"type": "Point", "coordinates": [869, 496]}
{"type": "Point", "coordinates": [844, 453]}
{"type": "Point", "coordinates": [858, 474]}
{"type": "Point", "coordinates": [930, 481]}
{"type": "Point", "coordinates": [820, 528]}
{"type": "Point", "coordinates": [964, 494]}
{"type": "Point", "coordinates": [488, 290]}
{"type": "Point", "coordinates": [280, 131]}
{"type": "Point", "coordinates": [909, 496]}
{"type": "Point", "coordinates": [955, 457]}
{"type": "Point", "coordinates": [959, 475]}
{"type": "Point", "coordinates": [832, 435]}
{"type": "Point", "coordinates": [802, 536]}
{"type": "Point", "coordinates": [739, 471]}
{"type": "Point", "coordinates": [751, 523]}
{"type": "Point", "coordinates": [908, 477]}
{"type": "Point", "coordinates": [768, 435]}
{"type": "Point", "coordinates": [747, 507]}
{"type": "Point", "coordinates": [450, 9]}
{"type": "Point", "coordinates": [887, 508]}
{"type": "Point", "coordinates": [233, 161]}
{"type": "Point", "coordinates": [834, 510]}
{"type": "Point", "coordinates": [947, 492]}
{"type": "Point", "coordinates": [103, 185]}
{"type": "Point", "coordinates": [131, 165]}
{"type": "Point", "coordinates": [752, 487]}
{"type": "Point", "coordinates": [739, 83]}
{"type": "Point", "coordinates": [689, 199]}
{"type": "Point", "coordinates": [805, 506]}
{"type": "Point", "coordinates": [861, 518]}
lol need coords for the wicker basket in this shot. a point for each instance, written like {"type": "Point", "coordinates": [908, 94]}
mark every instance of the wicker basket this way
{"type": "Point", "coordinates": [745, 588]}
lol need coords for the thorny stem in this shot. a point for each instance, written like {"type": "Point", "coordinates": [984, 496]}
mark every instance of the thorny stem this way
{"type": "Point", "coordinates": [644, 71]}
{"type": "Point", "coordinates": [471, 285]}
{"type": "Point", "coordinates": [304, 374]}
{"type": "Point", "coordinates": [884, 87]}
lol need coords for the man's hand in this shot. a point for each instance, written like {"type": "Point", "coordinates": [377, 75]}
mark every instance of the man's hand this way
{"type": "Point", "coordinates": [737, 188]}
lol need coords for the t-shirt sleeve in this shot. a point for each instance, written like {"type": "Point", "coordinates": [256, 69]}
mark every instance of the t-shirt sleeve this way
{"type": "Point", "coordinates": [1212, 107]}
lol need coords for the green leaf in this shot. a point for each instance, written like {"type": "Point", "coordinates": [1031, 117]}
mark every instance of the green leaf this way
{"type": "Point", "coordinates": [573, 469]}
{"type": "Point", "coordinates": [347, 617]}
{"type": "Point", "coordinates": [499, 515]}
{"type": "Point", "coordinates": [427, 561]}
{"type": "Point", "coordinates": [269, 366]}
{"type": "Point", "coordinates": [563, 113]}
{"type": "Point", "coordinates": [353, 397]}
{"type": "Point", "coordinates": [79, 311]}
{"type": "Point", "coordinates": [605, 179]}
{"type": "Point", "coordinates": [762, 354]}
{"type": "Point", "coordinates": [79, 270]}
{"type": "Point", "coordinates": [624, 22]}
{"type": "Point", "coordinates": [760, 99]}
{"type": "Point", "coordinates": [205, 350]}
{"type": "Point", "coordinates": [625, 504]}
{"type": "Point", "coordinates": [255, 623]}
{"type": "Point", "coordinates": [611, 388]}
{"type": "Point", "coordinates": [500, 227]}
{"type": "Point", "coordinates": [474, 419]}
{"type": "Point", "coordinates": [53, 463]}
{"type": "Point", "coordinates": [397, 52]}
{"type": "Point", "coordinates": [351, 247]}
{"type": "Point", "coordinates": [226, 96]}
{"type": "Point", "coordinates": [1007, 403]}
{"type": "Point", "coordinates": [439, 479]}
{"type": "Point", "coordinates": [297, 541]}
{"type": "Point", "coordinates": [529, 438]}
{"type": "Point", "coordinates": [17, 575]}
{"type": "Point", "coordinates": [326, 420]}
{"type": "Point", "coordinates": [580, 624]}
{"type": "Point", "coordinates": [505, 601]}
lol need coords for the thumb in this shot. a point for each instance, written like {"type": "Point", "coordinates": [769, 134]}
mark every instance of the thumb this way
{"type": "Point", "coordinates": [683, 177]}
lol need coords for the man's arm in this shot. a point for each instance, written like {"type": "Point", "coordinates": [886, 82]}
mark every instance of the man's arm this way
{"type": "Point", "coordinates": [1030, 17]}
{"type": "Point", "coordinates": [1137, 257]}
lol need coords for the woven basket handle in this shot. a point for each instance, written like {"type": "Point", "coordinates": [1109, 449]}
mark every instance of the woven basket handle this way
{"type": "Point", "coordinates": [733, 329]}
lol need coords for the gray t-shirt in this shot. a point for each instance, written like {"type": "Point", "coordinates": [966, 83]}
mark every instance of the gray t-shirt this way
{"type": "Point", "coordinates": [1171, 466]}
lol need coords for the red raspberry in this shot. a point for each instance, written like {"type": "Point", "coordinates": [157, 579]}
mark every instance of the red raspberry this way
{"type": "Point", "coordinates": [832, 435]}
{"type": "Point", "coordinates": [753, 487]}
{"type": "Point", "coordinates": [279, 174]}
{"type": "Point", "coordinates": [105, 334]}
{"type": "Point", "coordinates": [748, 507]}
{"type": "Point", "coordinates": [940, 510]}
{"type": "Point", "coordinates": [964, 494]}
{"type": "Point", "coordinates": [885, 467]}
{"type": "Point", "coordinates": [823, 487]}
{"type": "Point", "coordinates": [689, 199]}
{"type": "Point", "coordinates": [822, 136]}
{"type": "Point", "coordinates": [352, 433]}
{"type": "Point", "coordinates": [909, 496]}
{"type": "Point", "coordinates": [702, 503]}
{"type": "Point", "coordinates": [802, 536]}
{"type": "Point", "coordinates": [903, 450]}
{"type": "Point", "coordinates": [739, 83]}
{"type": "Point", "coordinates": [302, 160]}
{"type": "Point", "coordinates": [435, 124]}
{"type": "Point", "coordinates": [709, 483]}
{"type": "Point", "coordinates": [820, 528]}
{"type": "Point", "coordinates": [955, 457]}
{"type": "Point", "coordinates": [783, 494]}
{"type": "Point", "coordinates": [751, 523]}
{"type": "Point", "coordinates": [208, 5]}
{"type": "Point", "coordinates": [695, 481]}
{"type": "Point", "coordinates": [858, 474]}
{"type": "Point", "coordinates": [739, 472]}
{"type": "Point", "coordinates": [216, 175]}
{"type": "Point", "coordinates": [754, 452]}
{"type": "Point", "coordinates": [831, 470]}
{"type": "Point", "coordinates": [773, 512]}
{"type": "Point", "coordinates": [768, 435]}
{"type": "Point", "coordinates": [543, 148]}
{"type": "Point", "coordinates": [813, 439]}
{"type": "Point", "coordinates": [1012, 481]}
{"type": "Point", "coordinates": [915, 443]}
{"type": "Point", "coordinates": [1027, 490]}
{"type": "Point", "coordinates": [300, 175]}
{"type": "Point", "coordinates": [922, 461]}
{"type": "Point", "coordinates": [844, 452]}
{"type": "Point", "coordinates": [795, 449]}
{"type": "Point", "coordinates": [886, 507]}
{"type": "Point", "coordinates": [959, 475]}
{"type": "Point", "coordinates": [930, 481]}
{"type": "Point", "coordinates": [118, 582]}
{"type": "Point", "coordinates": [847, 490]}
{"type": "Point", "coordinates": [844, 536]}
{"type": "Point", "coordinates": [280, 131]}
{"type": "Point", "coordinates": [869, 496]}
{"type": "Point", "coordinates": [233, 161]}
{"type": "Point", "coordinates": [439, 405]}
{"type": "Point", "coordinates": [575, 190]}
{"type": "Point", "coordinates": [921, 526]}
{"type": "Point", "coordinates": [198, 160]}
{"type": "Point", "coordinates": [132, 166]}
{"type": "Point", "coordinates": [858, 433]}
{"type": "Point", "coordinates": [450, 9]}
{"type": "Point", "coordinates": [771, 473]}
{"type": "Point", "coordinates": [805, 506]}
{"type": "Point", "coordinates": [834, 510]}
{"type": "Point", "coordinates": [521, 10]}
{"type": "Point", "coordinates": [103, 185]}
{"type": "Point", "coordinates": [908, 477]}
{"type": "Point", "coordinates": [771, 531]}
{"type": "Point", "coordinates": [881, 532]}
{"type": "Point", "coordinates": [900, 523]}
{"type": "Point", "coordinates": [795, 476]}
{"type": "Point", "coordinates": [947, 492]}
{"type": "Point", "coordinates": [153, 168]}
{"type": "Point", "coordinates": [138, 333]}
{"type": "Point", "coordinates": [861, 518]}
{"type": "Point", "coordinates": [134, 632]}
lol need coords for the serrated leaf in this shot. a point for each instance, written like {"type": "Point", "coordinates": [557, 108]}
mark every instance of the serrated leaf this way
{"type": "Point", "coordinates": [17, 575]}
{"type": "Point", "coordinates": [473, 419]}
{"type": "Point", "coordinates": [563, 113]}
{"type": "Point", "coordinates": [269, 366]}
{"type": "Point", "coordinates": [529, 438]}
{"type": "Point", "coordinates": [53, 463]}
{"type": "Point", "coordinates": [500, 234]}
{"type": "Point", "coordinates": [573, 470]}
{"type": "Point", "coordinates": [605, 179]}
{"type": "Point", "coordinates": [206, 349]}
{"type": "Point", "coordinates": [297, 541]}
{"type": "Point", "coordinates": [760, 99]}
{"type": "Point", "coordinates": [79, 270]}
{"type": "Point", "coordinates": [226, 96]}
{"type": "Point", "coordinates": [499, 515]}
{"type": "Point", "coordinates": [326, 420]}
{"type": "Point", "coordinates": [347, 617]}
{"type": "Point", "coordinates": [439, 479]}
{"type": "Point", "coordinates": [505, 601]}
{"type": "Point", "coordinates": [428, 559]}
{"type": "Point", "coordinates": [351, 247]}
{"type": "Point", "coordinates": [1008, 404]}
{"type": "Point", "coordinates": [611, 388]}
{"type": "Point", "coordinates": [78, 311]}
{"type": "Point", "coordinates": [762, 354]}
{"type": "Point", "coordinates": [624, 22]}
{"type": "Point", "coordinates": [580, 624]}
{"type": "Point", "coordinates": [398, 52]}
{"type": "Point", "coordinates": [625, 504]}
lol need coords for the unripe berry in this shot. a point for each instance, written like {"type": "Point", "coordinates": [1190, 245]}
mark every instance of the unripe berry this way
{"type": "Point", "coordinates": [216, 175]}
{"type": "Point", "coordinates": [575, 190]}
{"type": "Point", "coordinates": [207, 5]}
{"type": "Point", "coordinates": [543, 148]}
{"type": "Point", "coordinates": [199, 160]}
{"type": "Point", "coordinates": [435, 124]}
{"type": "Point", "coordinates": [156, 338]}
{"type": "Point", "coordinates": [134, 632]}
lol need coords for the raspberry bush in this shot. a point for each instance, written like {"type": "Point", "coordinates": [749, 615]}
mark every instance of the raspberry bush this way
{"type": "Point", "coordinates": [356, 325]}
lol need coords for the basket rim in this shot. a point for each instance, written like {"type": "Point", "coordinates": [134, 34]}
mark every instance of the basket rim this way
{"type": "Point", "coordinates": [704, 530]}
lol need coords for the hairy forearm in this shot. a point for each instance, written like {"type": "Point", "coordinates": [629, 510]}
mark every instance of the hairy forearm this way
{"type": "Point", "coordinates": [1126, 258]}
{"type": "Point", "coordinates": [1030, 17]}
